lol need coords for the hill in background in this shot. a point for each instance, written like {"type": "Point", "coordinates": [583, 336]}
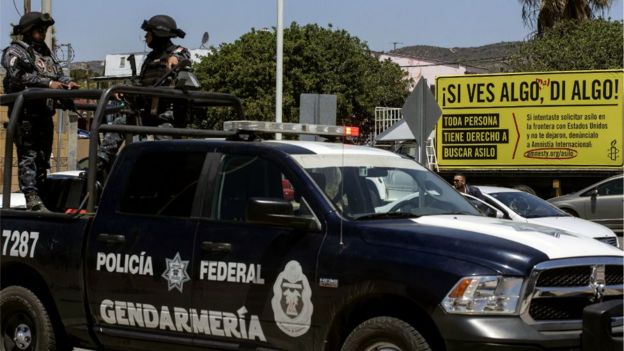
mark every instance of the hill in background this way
{"type": "Point", "coordinates": [491, 57]}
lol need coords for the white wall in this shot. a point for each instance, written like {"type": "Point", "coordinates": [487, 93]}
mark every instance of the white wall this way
{"type": "Point", "coordinates": [117, 65]}
{"type": "Point", "coordinates": [427, 69]}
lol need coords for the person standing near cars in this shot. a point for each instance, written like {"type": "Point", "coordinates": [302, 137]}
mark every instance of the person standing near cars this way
{"type": "Point", "coordinates": [29, 63]}
{"type": "Point", "coordinates": [459, 183]}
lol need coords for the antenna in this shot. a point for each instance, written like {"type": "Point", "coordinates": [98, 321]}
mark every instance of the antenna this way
{"type": "Point", "coordinates": [204, 40]}
{"type": "Point", "coordinates": [394, 43]}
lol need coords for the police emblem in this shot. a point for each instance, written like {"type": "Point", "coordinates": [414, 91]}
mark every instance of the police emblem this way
{"type": "Point", "coordinates": [176, 274]}
{"type": "Point", "coordinates": [41, 65]}
{"type": "Point", "coordinates": [292, 300]}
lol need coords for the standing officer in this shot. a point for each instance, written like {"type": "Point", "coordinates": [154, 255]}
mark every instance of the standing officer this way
{"type": "Point", "coordinates": [165, 55]}
{"type": "Point", "coordinates": [30, 63]}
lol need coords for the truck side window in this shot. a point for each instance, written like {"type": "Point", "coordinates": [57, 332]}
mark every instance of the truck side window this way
{"type": "Point", "coordinates": [163, 183]}
{"type": "Point", "coordinates": [243, 177]}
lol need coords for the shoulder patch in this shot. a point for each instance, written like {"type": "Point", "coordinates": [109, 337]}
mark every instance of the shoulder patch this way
{"type": "Point", "coordinates": [12, 61]}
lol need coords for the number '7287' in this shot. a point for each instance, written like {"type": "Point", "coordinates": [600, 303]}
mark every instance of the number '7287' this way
{"type": "Point", "coordinates": [21, 244]}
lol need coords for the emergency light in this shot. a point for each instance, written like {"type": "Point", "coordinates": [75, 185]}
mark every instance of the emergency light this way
{"type": "Point", "coordinates": [291, 128]}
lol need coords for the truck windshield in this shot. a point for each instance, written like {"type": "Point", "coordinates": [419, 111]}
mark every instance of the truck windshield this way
{"type": "Point", "coordinates": [368, 187]}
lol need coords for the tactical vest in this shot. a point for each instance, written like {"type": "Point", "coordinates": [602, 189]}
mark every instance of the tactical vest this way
{"type": "Point", "coordinates": [155, 66]}
{"type": "Point", "coordinates": [45, 65]}
{"type": "Point", "coordinates": [42, 64]}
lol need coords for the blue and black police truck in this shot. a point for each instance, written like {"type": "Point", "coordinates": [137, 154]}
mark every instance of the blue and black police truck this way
{"type": "Point", "coordinates": [226, 241]}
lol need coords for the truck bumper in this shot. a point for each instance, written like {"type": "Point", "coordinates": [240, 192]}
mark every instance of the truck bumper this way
{"type": "Point", "coordinates": [509, 333]}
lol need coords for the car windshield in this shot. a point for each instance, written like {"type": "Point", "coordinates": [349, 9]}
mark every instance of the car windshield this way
{"type": "Point", "coordinates": [371, 187]}
{"type": "Point", "coordinates": [527, 205]}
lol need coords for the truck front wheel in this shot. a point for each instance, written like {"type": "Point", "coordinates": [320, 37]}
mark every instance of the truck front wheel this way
{"type": "Point", "coordinates": [385, 334]}
{"type": "Point", "coordinates": [24, 321]}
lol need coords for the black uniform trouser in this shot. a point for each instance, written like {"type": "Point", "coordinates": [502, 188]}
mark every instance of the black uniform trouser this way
{"type": "Point", "coordinates": [33, 140]}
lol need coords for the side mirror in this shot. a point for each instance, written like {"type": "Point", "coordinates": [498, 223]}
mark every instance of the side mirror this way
{"type": "Point", "coordinates": [278, 212]}
{"type": "Point", "coordinates": [593, 193]}
{"type": "Point", "coordinates": [500, 214]}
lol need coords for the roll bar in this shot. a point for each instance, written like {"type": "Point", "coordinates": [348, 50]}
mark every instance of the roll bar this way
{"type": "Point", "coordinates": [18, 100]}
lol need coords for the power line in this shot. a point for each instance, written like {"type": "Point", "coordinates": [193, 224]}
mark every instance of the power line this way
{"type": "Point", "coordinates": [16, 10]}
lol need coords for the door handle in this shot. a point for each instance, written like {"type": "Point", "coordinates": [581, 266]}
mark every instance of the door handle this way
{"type": "Point", "coordinates": [216, 247]}
{"type": "Point", "coordinates": [111, 238]}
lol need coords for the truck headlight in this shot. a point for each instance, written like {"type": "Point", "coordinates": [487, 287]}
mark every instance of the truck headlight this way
{"type": "Point", "coordinates": [484, 295]}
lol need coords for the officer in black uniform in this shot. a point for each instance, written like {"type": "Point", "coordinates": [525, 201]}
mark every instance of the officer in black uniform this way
{"type": "Point", "coordinates": [30, 63]}
{"type": "Point", "coordinates": [165, 55]}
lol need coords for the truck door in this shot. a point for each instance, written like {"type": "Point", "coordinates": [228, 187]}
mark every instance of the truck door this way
{"type": "Point", "coordinates": [138, 273]}
{"type": "Point", "coordinates": [254, 283]}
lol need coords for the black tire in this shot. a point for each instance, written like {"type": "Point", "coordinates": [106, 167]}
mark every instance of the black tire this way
{"type": "Point", "coordinates": [385, 333]}
{"type": "Point", "coordinates": [21, 312]}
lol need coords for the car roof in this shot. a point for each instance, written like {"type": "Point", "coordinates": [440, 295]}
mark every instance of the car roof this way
{"type": "Point", "coordinates": [496, 189]}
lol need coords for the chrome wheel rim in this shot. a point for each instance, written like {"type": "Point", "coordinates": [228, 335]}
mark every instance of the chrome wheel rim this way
{"type": "Point", "coordinates": [22, 337]}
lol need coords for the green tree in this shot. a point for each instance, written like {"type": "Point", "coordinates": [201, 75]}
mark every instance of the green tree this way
{"type": "Point", "coordinates": [572, 45]}
{"type": "Point", "coordinates": [544, 14]}
{"type": "Point", "coordinates": [316, 60]}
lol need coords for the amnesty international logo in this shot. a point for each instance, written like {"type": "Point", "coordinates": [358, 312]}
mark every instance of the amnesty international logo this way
{"type": "Point", "coordinates": [614, 152]}
{"type": "Point", "coordinates": [176, 274]}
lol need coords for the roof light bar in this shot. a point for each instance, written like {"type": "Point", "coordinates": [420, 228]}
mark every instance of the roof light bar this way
{"type": "Point", "coordinates": [290, 128]}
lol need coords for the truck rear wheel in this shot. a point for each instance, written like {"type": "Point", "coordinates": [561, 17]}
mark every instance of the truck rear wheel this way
{"type": "Point", "coordinates": [385, 334]}
{"type": "Point", "coordinates": [24, 321]}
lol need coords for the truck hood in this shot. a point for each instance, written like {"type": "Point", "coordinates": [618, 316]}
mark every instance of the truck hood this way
{"type": "Point", "coordinates": [504, 246]}
{"type": "Point", "coordinates": [554, 243]}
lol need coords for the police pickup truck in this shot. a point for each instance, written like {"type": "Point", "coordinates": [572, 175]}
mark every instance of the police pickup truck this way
{"type": "Point", "coordinates": [246, 244]}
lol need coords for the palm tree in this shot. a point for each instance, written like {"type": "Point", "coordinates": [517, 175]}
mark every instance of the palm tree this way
{"type": "Point", "coordinates": [545, 13]}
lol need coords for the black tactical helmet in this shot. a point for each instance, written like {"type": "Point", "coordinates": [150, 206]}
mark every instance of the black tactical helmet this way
{"type": "Point", "coordinates": [163, 26]}
{"type": "Point", "coordinates": [32, 20]}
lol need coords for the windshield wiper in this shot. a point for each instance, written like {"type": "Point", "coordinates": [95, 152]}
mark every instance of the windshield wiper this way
{"type": "Point", "coordinates": [387, 215]}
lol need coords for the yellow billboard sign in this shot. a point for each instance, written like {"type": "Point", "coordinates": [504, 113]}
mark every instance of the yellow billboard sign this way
{"type": "Point", "coordinates": [570, 120]}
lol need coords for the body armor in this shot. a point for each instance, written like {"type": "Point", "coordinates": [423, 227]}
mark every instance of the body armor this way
{"type": "Point", "coordinates": [155, 65]}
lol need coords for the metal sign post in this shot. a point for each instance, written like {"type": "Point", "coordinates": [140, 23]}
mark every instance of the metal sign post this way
{"type": "Point", "coordinates": [421, 112]}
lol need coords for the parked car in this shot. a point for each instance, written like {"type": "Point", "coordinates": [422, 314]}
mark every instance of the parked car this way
{"type": "Point", "coordinates": [600, 202]}
{"type": "Point", "coordinates": [483, 207]}
{"type": "Point", "coordinates": [520, 206]}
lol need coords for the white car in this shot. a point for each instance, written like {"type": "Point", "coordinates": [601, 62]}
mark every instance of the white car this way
{"type": "Point", "coordinates": [18, 201]}
{"type": "Point", "coordinates": [520, 206]}
{"type": "Point", "coordinates": [65, 189]}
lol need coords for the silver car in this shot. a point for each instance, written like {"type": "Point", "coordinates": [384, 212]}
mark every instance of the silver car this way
{"type": "Point", "coordinates": [601, 203]}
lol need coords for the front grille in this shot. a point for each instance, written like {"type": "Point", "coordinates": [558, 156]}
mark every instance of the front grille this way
{"type": "Point", "coordinates": [562, 308]}
{"type": "Point", "coordinates": [558, 309]}
{"type": "Point", "coordinates": [611, 240]}
{"type": "Point", "coordinates": [614, 275]}
{"type": "Point", "coordinates": [561, 293]}
{"type": "Point", "coordinates": [566, 276]}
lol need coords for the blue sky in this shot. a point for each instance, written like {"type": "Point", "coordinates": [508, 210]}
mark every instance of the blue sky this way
{"type": "Point", "coordinates": [96, 27]}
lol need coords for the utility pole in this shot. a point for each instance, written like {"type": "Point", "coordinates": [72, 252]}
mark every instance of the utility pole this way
{"type": "Point", "coordinates": [279, 71]}
{"type": "Point", "coordinates": [46, 7]}
{"type": "Point", "coordinates": [26, 6]}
